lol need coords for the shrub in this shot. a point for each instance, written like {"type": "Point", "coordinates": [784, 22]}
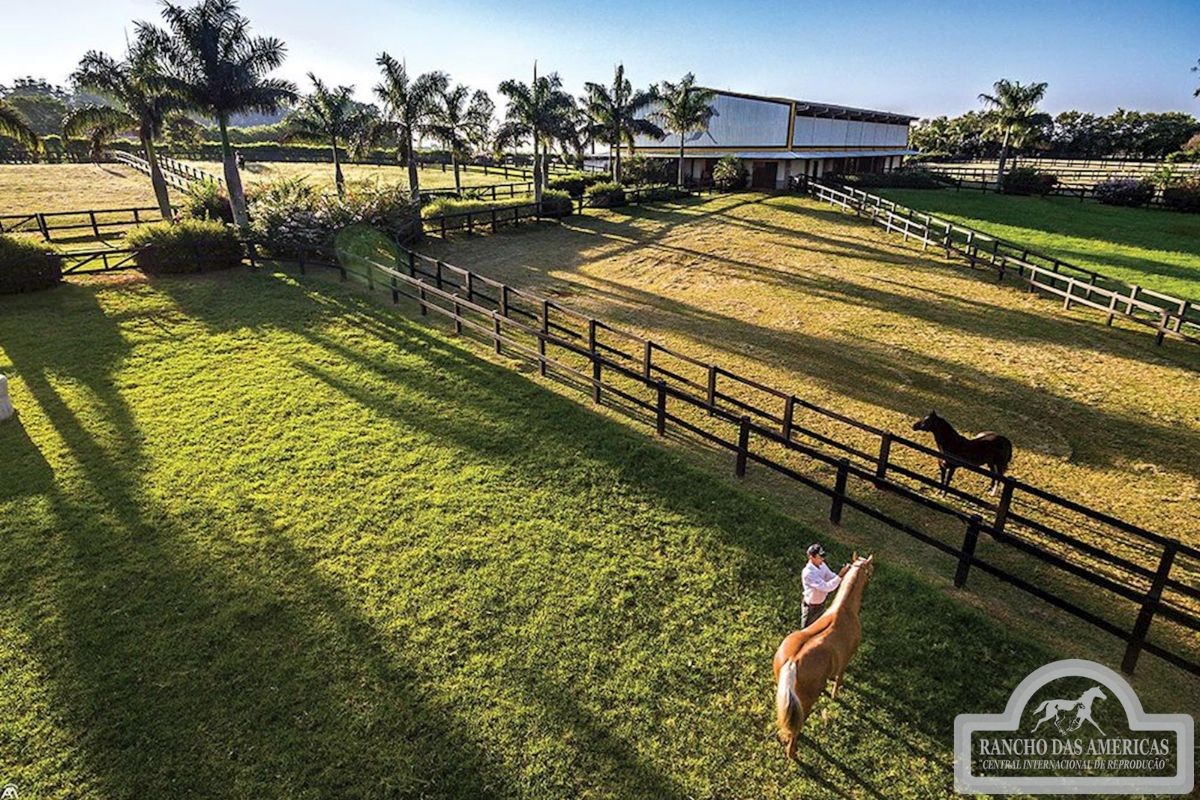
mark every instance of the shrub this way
{"type": "Point", "coordinates": [190, 245]}
{"type": "Point", "coordinates": [575, 183]}
{"type": "Point", "coordinates": [656, 193]}
{"type": "Point", "coordinates": [898, 179]}
{"type": "Point", "coordinates": [1026, 180]}
{"type": "Point", "coordinates": [206, 200]}
{"type": "Point", "coordinates": [27, 265]}
{"type": "Point", "coordinates": [639, 171]}
{"type": "Point", "coordinates": [557, 204]}
{"type": "Point", "coordinates": [1184, 196]}
{"type": "Point", "coordinates": [728, 174]}
{"type": "Point", "coordinates": [605, 195]}
{"type": "Point", "coordinates": [289, 215]}
{"type": "Point", "coordinates": [1125, 192]}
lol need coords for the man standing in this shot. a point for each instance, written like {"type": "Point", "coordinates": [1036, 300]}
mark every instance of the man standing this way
{"type": "Point", "coordinates": [818, 580]}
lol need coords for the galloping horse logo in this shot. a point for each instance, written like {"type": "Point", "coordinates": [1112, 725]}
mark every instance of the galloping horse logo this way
{"type": "Point", "coordinates": [1082, 706]}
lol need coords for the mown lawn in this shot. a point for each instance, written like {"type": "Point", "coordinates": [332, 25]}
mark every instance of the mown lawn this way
{"type": "Point", "coordinates": [263, 538]}
{"type": "Point", "coordinates": [813, 301]}
{"type": "Point", "coordinates": [28, 188]}
{"type": "Point", "coordinates": [1156, 249]}
{"type": "Point", "coordinates": [321, 174]}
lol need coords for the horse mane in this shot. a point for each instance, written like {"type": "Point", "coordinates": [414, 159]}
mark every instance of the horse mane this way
{"type": "Point", "coordinates": [852, 586]}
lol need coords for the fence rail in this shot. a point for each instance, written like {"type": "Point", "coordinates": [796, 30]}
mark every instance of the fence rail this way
{"type": "Point", "coordinates": [96, 221]}
{"type": "Point", "coordinates": [1166, 315]}
{"type": "Point", "coordinates": [649, 378]}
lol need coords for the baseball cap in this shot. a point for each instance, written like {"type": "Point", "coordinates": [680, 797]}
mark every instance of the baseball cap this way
{"type": "Point", "coordinates": [816, 550]}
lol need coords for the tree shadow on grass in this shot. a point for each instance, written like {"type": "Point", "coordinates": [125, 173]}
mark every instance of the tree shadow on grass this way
{"type": "Point", "coordinates": [26, 471]}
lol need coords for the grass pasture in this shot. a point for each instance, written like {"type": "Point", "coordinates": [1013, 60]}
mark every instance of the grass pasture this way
{"type": "Point", "coordinates": [1155, 249]}
{"type": "Point", "coordinates": [321, 174]}
{"type": "Point", "coordinates": [804, 298]}
{"type": "Point", "coordinates": [262, 537]}
{"type": "Point", "coordinates": [28, 188]}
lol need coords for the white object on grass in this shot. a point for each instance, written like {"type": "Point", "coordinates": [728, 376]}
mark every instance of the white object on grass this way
{"type": "Point", "coordinates": [6, 409]}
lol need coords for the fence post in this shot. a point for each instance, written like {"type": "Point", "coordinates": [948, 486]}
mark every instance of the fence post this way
{"type": "Point", "coordinates": [1163, 323]}
{"type": "Point", "coordinates": [470, 287]}
{"type": "Point", "coordinates": [504, 299]}
{"type": "Point", "coordinates": [743, 448]}
{"type": "Point", "coordinates": [647, 356]}
{"type": "Point", "coordinates": [1002, 509]}
{"type": "Point", "coordinates": [968, 551]}
{"type": "Point", "coordinates": [457, 316]}
{"type": "Point", "coordinates": [885, 450]}
{"type": "Point", "coordinates": [542, 338]}
{"type": "Point", "coordinates": [1150, 605]}
{"type": "Point", "coordinates": [437, 274]}
{"type": "Point", "coordinates": [839, 492]}
{"type": "Point", "coordinates": [95, 227]}
{"type": "Point", "coordinates": [421, 299]}
{"type": "Point", "coordinates": [591, 338]}
{"type": "Point", "coordinates": [42, 226]}
{"type": "Point", "coordinates": [494, 226]}
{"type": "Point", "coordinates": [412, 264]}
{"type": "Point", "coordinates": [789, 412]}
{"type": "Point", "coordinates": [661, 406]}
{"type": "Point", "coordinates": [395, 292]}
{"type": "Point", "coordinates": [712, 388]}
{"type": "Point", "coordinates": [496, 330]}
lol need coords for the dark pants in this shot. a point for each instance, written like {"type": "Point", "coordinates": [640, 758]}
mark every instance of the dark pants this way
{"type": "Point", "coordinates": [809, 614]}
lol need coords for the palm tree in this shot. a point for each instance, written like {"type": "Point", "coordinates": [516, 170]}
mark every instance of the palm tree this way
{"type": "Point", "coordinates": [134, 87]}
{"type": "Point", "coordinates": [479, 122]}
{"type": "Point", "coordinates": [615, 110]}
{"type": "Point", "coordinates": [219, 69]}
{"type": "Point", "coordinates": [537, 112]}
{"type": "Point", "coordinates": [409, 106]}
{"type": "Point", "coordinates": [1013, 114]}
{"type": "Point", "coordinates": [329, 116]}
{"type": "Point", "coordinates": [14, 125]}
{"type": "Point", "coordinates": [684, 109]}
{"type": "Point", "coordinates": [451, 123]}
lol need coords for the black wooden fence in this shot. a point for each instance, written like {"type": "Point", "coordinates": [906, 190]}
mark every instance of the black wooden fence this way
{"type": "Point", "coordinates": [92, 223]}
{"type": "Point", "coordinates": [1131, 577]}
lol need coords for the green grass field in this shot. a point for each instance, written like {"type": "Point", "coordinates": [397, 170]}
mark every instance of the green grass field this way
{"type": "Point", "coordinates": [261, 537]}
{"type": "Point", "coordinates": [802, 297]}
{"type": "Point", "coordinates": [257, 172]}
{"type": "Point", "coordinates": [1156, 249]}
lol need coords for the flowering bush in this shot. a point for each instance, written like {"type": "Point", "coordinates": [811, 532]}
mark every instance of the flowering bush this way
{"type": "Point", "coordinates": [289, 215]}
{"type": "Point", "coordinates": [1125, 192]}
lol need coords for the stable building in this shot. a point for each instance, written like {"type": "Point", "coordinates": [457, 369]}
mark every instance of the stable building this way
{"type": "Point", "coordinates": [777, 138]}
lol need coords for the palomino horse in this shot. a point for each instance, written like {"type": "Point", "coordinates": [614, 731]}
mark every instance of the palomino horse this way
{"type": "Point", "coordinates": [807, 659]}
{"type": "Point", "coordinates": [1082, 706]}
{"type": "Point", "coordinates": [987, 448]}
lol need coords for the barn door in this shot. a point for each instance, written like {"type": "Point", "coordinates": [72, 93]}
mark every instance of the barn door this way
{"type": "Point", "coordinates": [764, 174]}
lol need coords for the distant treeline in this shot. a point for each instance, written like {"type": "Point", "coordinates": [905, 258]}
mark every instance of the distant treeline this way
{"type": "Point", "coordinates": [1071, 134]}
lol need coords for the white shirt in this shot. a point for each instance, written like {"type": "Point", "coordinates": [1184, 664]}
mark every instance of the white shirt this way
{"type": "Point", "coordinates": [818, 582]}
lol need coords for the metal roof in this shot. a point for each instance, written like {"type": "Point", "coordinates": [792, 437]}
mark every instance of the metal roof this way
{"type": "Point", "coordinates": [788, 155]}
{"type": "Point", "coordinates": [810, 108]}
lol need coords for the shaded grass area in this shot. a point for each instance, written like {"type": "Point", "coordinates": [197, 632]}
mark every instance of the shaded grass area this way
{"type": "Point", "coordinates": [1156, 249]}
{"type": "Point", "coordinates": [804, 298]}
{"type": "Point", "coordinates": [263, 538]}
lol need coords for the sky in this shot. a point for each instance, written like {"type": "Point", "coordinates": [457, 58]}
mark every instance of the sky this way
{"type": "Point", "coordinates": [912, 57]}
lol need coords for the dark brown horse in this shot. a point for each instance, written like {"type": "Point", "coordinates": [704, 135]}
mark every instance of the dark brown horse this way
{"type": "Point", "coordinates": [987, 448]}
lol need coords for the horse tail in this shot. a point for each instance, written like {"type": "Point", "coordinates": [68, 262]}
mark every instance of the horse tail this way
{"type": "Point", "coordinates": [789, 714]}
{"type": "Point", "coordinates": [1042, 707]}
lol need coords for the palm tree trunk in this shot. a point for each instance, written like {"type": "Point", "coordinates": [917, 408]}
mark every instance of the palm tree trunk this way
{"type": "Point", "coordinates": [339, 180]}
{"type": "Point", "coordinates": [156, 176]}
{"type": "Point", "coordinates": [414, 179]}
{"type": "Point", "coordinates": [681, 135]}
{"type": "Point", "coordinates": [233, 179]}
{"type": "Point", "coordinates": [617, 163]}
{"type": "Point", "coordinates": [537, 172]}
{"type": "Point", "coordinates": [457, 179]}
{"type": "Point", "coordinates": [1000, 166]}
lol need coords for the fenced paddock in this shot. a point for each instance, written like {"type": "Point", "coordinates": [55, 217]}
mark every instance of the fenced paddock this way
{"type": "Point", "coordinates": [1167, 315]}
{"type": "Point", "coordinates": [73, 225]}
{"type": "Point", "coordinates": [1019, 537]}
